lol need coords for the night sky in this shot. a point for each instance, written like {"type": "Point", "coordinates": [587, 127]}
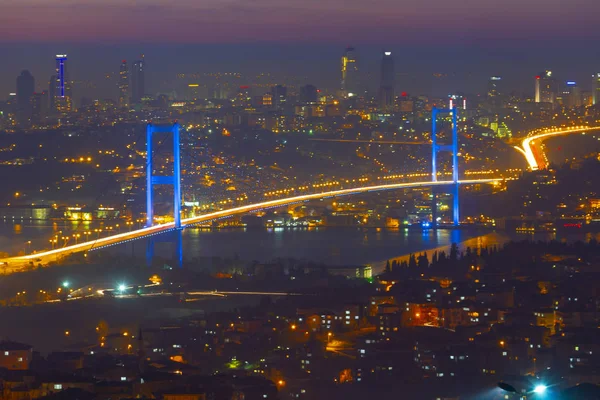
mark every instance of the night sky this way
{"type": "Point", "coordinates": [468, 39]}
{"type": "Point", "coordinates": [233, 21]}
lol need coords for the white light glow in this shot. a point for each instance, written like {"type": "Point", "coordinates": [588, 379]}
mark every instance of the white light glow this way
{"type": "Point", "coordinates": [539, 389]}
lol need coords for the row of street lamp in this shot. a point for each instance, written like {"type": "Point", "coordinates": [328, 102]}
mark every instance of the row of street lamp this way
{"type": "Point", "coordinates": [76, 236]}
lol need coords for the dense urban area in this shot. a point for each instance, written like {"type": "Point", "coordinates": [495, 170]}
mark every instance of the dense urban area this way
{"type": "Point", "coordinates": [84, 316]}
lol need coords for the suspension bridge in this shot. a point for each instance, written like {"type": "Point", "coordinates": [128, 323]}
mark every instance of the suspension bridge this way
{"type": "Point", "coordinates": [152, 231]}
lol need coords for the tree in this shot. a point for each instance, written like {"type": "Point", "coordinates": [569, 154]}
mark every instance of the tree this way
{"type": "Point", "coordinates": [388, 267]}
{"type": "Point", "coordinates": [468, 253]}
{"type": "Point", "coordinates": [442, 257]}
{"type": "Point", "coordinates": [423, 261]}
{"type": "Point", "coordinates": [412, 261]}
{"type": "Point", "coordinates": [434, 258]}
{"type": "Point", "coordinates": [454, 252]}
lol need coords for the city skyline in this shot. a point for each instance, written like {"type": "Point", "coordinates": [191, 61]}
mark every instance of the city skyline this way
{"type": "Point", "coordinates": [466, 69]}
{"type": "Point", "coordinates": [299, 199]}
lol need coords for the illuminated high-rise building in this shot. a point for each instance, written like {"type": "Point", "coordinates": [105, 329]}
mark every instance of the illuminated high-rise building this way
{"type": "Point", "coordinates": [279, 93]}
{"type": "Point", "coordinates": [267, 100]}
{"type": "Point", "coordinates": [545, 88]}
{"type": "Point", "coordinates": [25, 89]}
{"type": "Point", "coordinates": [63, 100]}
{"type": "Point", "coordinates": [572, 96]}
{"type": "Point", "coordinates": [123, 85]}
{"type": "Point", "coordinates": [493, 89]}
{"type": "Point", "coordinates": [193, 91]}
{"type": "Point", "coordinates": [596, 88]}
{"type": "Point", "coordinates": [386, 87]}
{"type": "Point", "coordinates": [138, 81]}
{"type": "Point", "coordinates": [350, 84]}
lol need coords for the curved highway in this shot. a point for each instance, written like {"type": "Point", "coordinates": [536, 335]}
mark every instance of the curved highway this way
{"type": "Point", "coordinates": [530, 149]}
{"type": "Point", "coordinates": [16, 264]}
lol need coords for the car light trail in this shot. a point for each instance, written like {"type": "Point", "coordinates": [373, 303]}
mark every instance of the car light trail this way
{"type": "Point", "coordinates": [50, 255]}
{"type": "Point", "coordinates": [526, 146]}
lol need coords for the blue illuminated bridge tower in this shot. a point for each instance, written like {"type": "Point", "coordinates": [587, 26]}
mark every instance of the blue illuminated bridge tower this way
{"type": "Point", "coordinates": [174, 180]}
{"type": "Point", "coordinates": [452, 148]}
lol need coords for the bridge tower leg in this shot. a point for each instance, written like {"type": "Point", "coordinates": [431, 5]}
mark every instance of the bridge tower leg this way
{"type": "Point", "coordinates": [174, 180]}
{"type": "Point", "coordinates": [456, 207]}
{"type": "Point", "coordinates": [452, 148]}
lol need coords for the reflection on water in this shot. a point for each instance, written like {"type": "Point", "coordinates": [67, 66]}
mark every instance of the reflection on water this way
{"type": "Point", "coordinates": [334, 246]}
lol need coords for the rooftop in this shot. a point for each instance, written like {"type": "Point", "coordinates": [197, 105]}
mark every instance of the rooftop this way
{"type": "Point", "coordinates": [6, 345]}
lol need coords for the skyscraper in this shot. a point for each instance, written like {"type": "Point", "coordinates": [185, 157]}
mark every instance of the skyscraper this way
{"type": "Point", "coordinates": [63, 101]}
{"type": "Point", "coordinates": [193, 91]}
{"type": "Point", "coordinates": [545, 88]}
{"type": "Point", "coordinates": [123, 85]}
{"type": "Point", "coordinates": [308, 94]}
{"type": "Point", "coordinates": [138, 82]}
{"type": "Point", "coordinates": [572, 95]}
{"type": "Point", "coordinates": [386, 87]}
{"type": "Point", "coordinates": [39, 105]}
{"type": "Point", "coordinates": [51, 93]}
{"type": "Point", "coordinates": [350, 84]}
{"type": "Point", "coordinates": [596, 88]}
{"type": "Point", "coordinates": [25, 89]}
{"type": "Point", "coordinates": [493, 89]}
{"type": "Point", "coordinates": [279, 93]}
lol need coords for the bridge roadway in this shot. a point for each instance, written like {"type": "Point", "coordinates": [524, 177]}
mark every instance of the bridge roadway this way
{"type": "Point", "coordinates": [17, 264]}
{"type": "Point", "coordinates": [530, 145]}
{"type": "Point", "coordinates": [370, 141]}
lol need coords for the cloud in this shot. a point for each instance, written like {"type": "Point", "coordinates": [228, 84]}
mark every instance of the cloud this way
{"type": "Point", "coordinates": [267, 20]}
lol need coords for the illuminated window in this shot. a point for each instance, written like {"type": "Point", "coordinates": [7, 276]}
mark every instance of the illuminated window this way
{"type": "Point", "coordinates": [57, 386]}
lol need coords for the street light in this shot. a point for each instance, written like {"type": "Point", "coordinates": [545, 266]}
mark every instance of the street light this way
{"type": "Point", "coordinates": [540, 389]}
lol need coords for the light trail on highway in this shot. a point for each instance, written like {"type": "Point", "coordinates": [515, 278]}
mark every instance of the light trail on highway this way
{"type": "Point", "coordinates": [16, 264]}
{"type": "Point", "coordinates": [527, 150]}
{"type": "Point", "coordinates": [100, 294]}
{"type": "Point", "coordinates": [368, 141]}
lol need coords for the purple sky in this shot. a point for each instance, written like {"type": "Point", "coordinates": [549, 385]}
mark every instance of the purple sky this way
{"type": "Point", "coordinates": [351, 21]}
{"type": "Point", "coordinates": [469, 40]}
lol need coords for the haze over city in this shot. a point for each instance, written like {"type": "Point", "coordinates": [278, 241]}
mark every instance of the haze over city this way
{"type": "Point", "coordinates": [311, 200]}
{"type": "Point", "coordinates": [466, 40]}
